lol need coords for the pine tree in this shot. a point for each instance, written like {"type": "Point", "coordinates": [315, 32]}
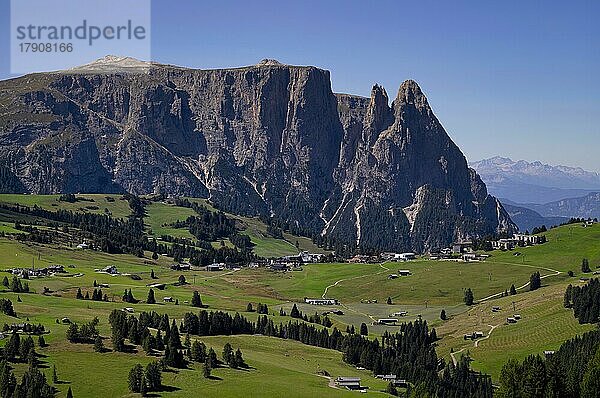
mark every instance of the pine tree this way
{"type": "Point", "coordinates": [295, 313]}
{"type": "Point", "coordinates": [198, 351]}
{"type": "Point", "coordinates": [364, 331]}
{"type": "Point", "coordinates": [69, 393]}
{"type": "Point", "coordinates": [469, 299]}
{"type": "Point", "coordinates": [41, 341]}
{"type": "Point", "coordinates": [151, 299]}
{"type": "Point", "coordinates": [135, 378]}
{"type": "Point", "coordinates": [98, 344]}
{"type": "Point", "coordinates": [535, 281]}
{"type": "Point", "coordinates": [153, 376]}
{"type": "Point", "coordinates": [249, 308]}
{"type": "Point", "coordinates": [443, 315]}
{"type": "Point", "coordinates": [143, 386]}
{"type": "Point", "coordinates": [513, 290]}
{"type": "Point", "coordinates": [585, 266]}
{"type": "Point", "coordinates": [196, 300]}
{"type": "Point", "coordinates": [206, 369]}
{"type": "Point", "coordinates": [228, 354]}
{"type": "Point", "coordinates": [239, 359]}
{"type": "Point", "coordinates": [212, 358]}
{"type": "Point", "coordinates": [54, 375]}
{"type": "Point", "coordinates": [79, 294]}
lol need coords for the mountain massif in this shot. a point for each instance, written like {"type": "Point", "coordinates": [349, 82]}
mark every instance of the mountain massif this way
{"type": "Point", "coordinates": [535, 182]}
{"type": "Point", "coordinates": [268, 140]}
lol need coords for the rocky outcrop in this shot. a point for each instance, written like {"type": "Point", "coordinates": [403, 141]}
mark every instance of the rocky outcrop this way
{"type": "Point", "coordinates": [268, 140]}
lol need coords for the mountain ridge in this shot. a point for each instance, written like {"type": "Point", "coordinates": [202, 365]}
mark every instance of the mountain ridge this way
{"type": "Point", "coordinates": [270, 139]}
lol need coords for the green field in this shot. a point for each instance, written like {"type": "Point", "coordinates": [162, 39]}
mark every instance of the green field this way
{"type": "Point", "coordinates": [117, 207]}
{"type": "Point", "coordinates": [433, 286]}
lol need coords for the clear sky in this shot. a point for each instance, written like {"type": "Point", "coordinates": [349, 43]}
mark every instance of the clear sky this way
{"type": "Point", "coordinates": [512, 78]}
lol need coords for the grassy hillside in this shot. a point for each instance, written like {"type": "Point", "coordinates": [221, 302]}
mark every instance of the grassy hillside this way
{"type": "Point", "coordinates": [433, 286]}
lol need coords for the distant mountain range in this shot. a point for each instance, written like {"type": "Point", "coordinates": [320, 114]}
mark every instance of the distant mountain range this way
{"type": "Point", "coordinates": [536, 194]}
{"type": "Point", "coordinates": [535, 182]}
{"type": "Point", "coordinates": [527, 219]}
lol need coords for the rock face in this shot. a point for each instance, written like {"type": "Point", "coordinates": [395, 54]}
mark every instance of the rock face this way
{"type": "Point", "coordinates": [269, 140]}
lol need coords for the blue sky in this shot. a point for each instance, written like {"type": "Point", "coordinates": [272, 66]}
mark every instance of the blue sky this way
{"type": "Point", "coordinates": [511, 78]}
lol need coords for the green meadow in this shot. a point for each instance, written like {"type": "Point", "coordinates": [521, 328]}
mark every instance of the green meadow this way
{"type": "Point", "coordinates": [277, 364]}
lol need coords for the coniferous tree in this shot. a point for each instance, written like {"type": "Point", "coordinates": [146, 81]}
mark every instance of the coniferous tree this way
{"type": "Point", "coordinates": [535, 281]}
{"type": "Point", "coordinates": [198, 351]}
{"type": "Point", "coordinates": [249, 308]}
{"type": "Point", "coordinates": [469, 299]}
{"type": "Point", "coordinates": [196, 299]}
{"type": "Point", "coordinates": [135, 378]}
{"type": "Point", "coordinates": [206, 369]}
{"type": "Point", "coordinates": [69, 393]}
{"type": "Point", "coordinates": [98, 344]}
{"type": "Point", "coordinates": [143, 386]}
{"type": "Point", "coordinates": [228, 354]}
{"type": "Point", "coordinates": [212, 358]}
{"type": "Point", "coordinates": [153, 376]}
{"type": "Point", "coordinates": [239, 359]}
{"type": "Point", "coordinates": [151, 299]}
{"type": "Point", "coordinates": [513, 290]}
{"type": "Point", "coordinates": [443, 315]}
{"type": "Point", "coordinates": [585, 266]}
{"type": "Point", "coordinates": [364, 330]}
{"type": "Point", "coordinates": [295, 313]}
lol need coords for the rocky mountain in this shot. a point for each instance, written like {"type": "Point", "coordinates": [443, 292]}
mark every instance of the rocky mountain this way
{"type": "Point", "coordinates": [535, 182]}
{"type": "Point", "coordinates": [270, 140]}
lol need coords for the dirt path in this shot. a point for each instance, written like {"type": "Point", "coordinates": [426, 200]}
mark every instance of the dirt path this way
{"type": "Point", "coordinates": [476, 344]}
{"type": "Point", "coordinates": [452, 355]}
{"type": "Point", "coordinates": [385, 269]}
{"type": "Point", "coordinates": [492, 327]}
{"type": "Point", "coordinates": [555, 273]}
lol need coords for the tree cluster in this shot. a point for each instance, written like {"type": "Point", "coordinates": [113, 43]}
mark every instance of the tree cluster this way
{"type": "Point", "coordinates": [96, 295]}
{"type": "Point", "coordinates": [573, 371]}
{"type": "Point", "coordinates": [15, 285]}
{"type": "Point", "coordinates": [535, 281]}
{"type": "Point", "coordinates": [146, 380]}
{"type": "Point", "coordinates": [6, 306]}
{"type": "Point", "coordinates": [33, 383]}
{"type": "Point", "coordinates": [585, 301]}
{"type": "Point", "coordinates": [84, 333]}
{"type": "Point", "coordinates": [316, 318]}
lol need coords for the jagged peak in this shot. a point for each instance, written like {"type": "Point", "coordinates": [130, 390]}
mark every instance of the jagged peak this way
{"type": "Point", "coordinates": [410, 93]}
{"type": "Point", "coordinates": [378, 93]}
